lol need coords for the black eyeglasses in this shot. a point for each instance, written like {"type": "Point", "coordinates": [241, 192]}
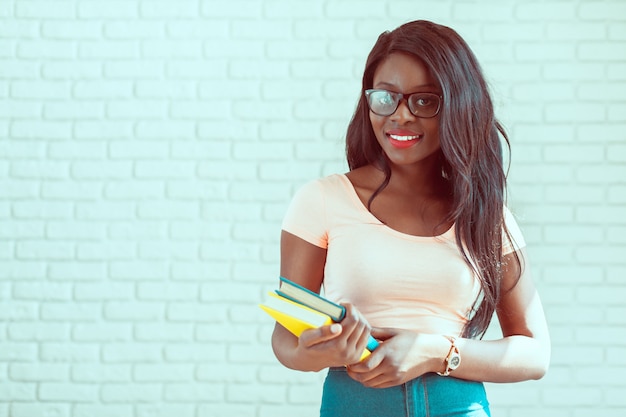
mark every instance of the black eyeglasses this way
{"type": "Point", "coordinates": [385, 103]}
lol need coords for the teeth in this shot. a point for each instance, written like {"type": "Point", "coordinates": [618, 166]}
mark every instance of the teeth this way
{"type": "Point", "coordinates": [403, 138]}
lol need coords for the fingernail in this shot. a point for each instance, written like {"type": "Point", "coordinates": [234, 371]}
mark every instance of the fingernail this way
{"type": "Point", "coordinates": [335, 328]}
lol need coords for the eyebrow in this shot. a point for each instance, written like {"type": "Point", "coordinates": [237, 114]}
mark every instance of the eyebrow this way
{"type": "Point", "coordinates": [418, 87]}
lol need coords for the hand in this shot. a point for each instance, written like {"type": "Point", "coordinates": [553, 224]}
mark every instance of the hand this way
{"type": "Point", "coordinates": [339, 344]}
{"type": "Point", "coordinates": [403, 355]}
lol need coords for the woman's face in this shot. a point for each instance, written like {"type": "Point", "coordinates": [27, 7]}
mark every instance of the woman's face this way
{"type": "Point", "coordinates": [405, 138]}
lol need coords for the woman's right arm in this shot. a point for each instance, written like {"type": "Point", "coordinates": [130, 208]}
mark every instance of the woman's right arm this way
{"type": "Point", "coordinates": [316, 349]}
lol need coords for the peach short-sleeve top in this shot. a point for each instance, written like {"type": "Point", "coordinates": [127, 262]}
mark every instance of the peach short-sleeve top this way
{"type": "Point", "coordinates": [395, 280]}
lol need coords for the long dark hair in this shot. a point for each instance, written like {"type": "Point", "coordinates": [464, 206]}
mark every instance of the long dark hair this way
{"type": "Point", "coordinates": [471, 150]}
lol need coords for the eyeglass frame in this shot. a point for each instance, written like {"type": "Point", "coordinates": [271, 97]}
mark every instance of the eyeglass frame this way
{"type": "Point", "coordinates": [402, 97]}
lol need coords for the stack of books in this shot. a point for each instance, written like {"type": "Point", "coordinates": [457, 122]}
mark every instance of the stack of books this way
{"type": "Point", "coordinates": [298, 309]}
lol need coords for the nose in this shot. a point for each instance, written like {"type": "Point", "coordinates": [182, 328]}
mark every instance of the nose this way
{"type": "Point", "coordinates": [402, 113]}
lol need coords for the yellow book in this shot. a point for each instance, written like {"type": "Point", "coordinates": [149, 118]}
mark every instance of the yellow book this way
{"type": "Point", "coordinates": [296, 317]}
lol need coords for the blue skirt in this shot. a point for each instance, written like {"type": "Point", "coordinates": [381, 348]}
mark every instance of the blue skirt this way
{"type": "Point", "coordinates": [430, 395]}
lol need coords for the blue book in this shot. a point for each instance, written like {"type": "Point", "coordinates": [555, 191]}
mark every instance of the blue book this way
{"type": "Point", "coordinates": [299, 294]}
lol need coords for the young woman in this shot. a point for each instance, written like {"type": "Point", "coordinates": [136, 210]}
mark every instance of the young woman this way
{"type": "Point", "coordinates": [417, 243]}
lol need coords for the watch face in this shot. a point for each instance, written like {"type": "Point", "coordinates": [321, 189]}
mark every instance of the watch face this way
{"type": "Point", "coordinates": [455, 361]}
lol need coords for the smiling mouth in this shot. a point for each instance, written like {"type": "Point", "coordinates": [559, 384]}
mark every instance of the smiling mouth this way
{"type": "Point", "coordinates": [404, 138]}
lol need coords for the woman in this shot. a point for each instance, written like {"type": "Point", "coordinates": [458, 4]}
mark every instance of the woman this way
{"type": "Point", "coordinates": [416, 242]}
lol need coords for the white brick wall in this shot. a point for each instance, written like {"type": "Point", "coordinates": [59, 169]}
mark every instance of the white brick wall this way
{"type": "Point", "coordinates": [148, 150]}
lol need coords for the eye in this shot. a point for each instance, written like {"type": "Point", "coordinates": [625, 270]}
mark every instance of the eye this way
{"type": "Point", "coordinates": [424, 101]}
{"type": "Point", "coordinates": [385, 99]}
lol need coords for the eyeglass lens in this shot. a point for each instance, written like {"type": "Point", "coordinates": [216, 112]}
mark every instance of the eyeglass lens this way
{"type": "Point", "coordinates": [385, 103]}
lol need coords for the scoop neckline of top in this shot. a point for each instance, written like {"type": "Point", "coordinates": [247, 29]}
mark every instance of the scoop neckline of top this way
{"type": "Point", "coordinates": [356, 200]}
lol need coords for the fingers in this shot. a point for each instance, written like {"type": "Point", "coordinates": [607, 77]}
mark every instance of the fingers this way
{"type": "Point", "coordinates": [321, 334]}
{"type": "Point", "coordinates": [383, 333]}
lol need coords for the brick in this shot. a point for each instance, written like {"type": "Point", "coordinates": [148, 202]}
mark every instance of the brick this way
{"type": "Point", "coordinates": [12, 391]}
{"type": "Point", "coordinates": [580, 153]}
{"type": "Point", "coordinates": [134, 190]}
{"type": "Point", "coordinates": [135, 30]}
{"type": "Point", "coordinates": [178, 332]}
{"type": "Point", "coordinates": [271, 29]}
{"type": "Point", "coordinates": [102, 332]}
{"type": "Point", "coordinates": [103, 410]}
{"type": "Point", "coordinates": [138, 270]}
{"type": "Point", "coordinates": [252, 393]}
{"type": "Point", "coordinates": [103, 291]}
{"type": "Point", "coordinates": [96, 373]}
{"type": "Point", "coordinates": [168, 10]}
{"type": "Point", "coordinates": [197, 69]}
{"type": "Point", "coordinates": [258, 192]}
{"type": "Point", "coordinates": [108, 130]}
{"type": "Point", "coordinates": [235, 8]}
{"type": "Point", "coordinates": [38, 332]}
{"type": "Point", "coordinates": [197, 352]}
{"type": "Point", "coordinates": [137, 230]}
{"type": "Point", "coordinates": [40, 90]}
{"type": "Point", "coordinates": [18, 352]}
{"type": "Point", "coordinates": [71, 190]}
{"type": "Point", "coordinates": [198, 392]}
{"type": "Point", "coordinates": [38, 372]}
{"type": "Point", "coordinates": [71, 70]}
{"type": "Point", "coordinates": [109, 10]}
{"type": "Point", "coordinates": [86, 271]}
{"type": "Point", "coordinates": [17, 189]}
{"type": "Point", "coordinates": [240, 410]}
{"type": "Point", "coordinates": [130, 393]}
{"type": "Point", "coordinates": [277, 9]}
{"type": "Point", "coordinates": [579, 111]}
{"type": "Point", "coordinates": [200, 271]}
{"type": "Point", "coordinates": [165, 89]}
{"type": "Point", "coordinates": [41, 130]}
{"type": "Point", "coordinates": [49, 409]}
{"type": "Point", "coordinates": [601, 51]}
{"type": "Point", "coordinates": [45, 250]}
{"type": "Point", "coordinates": [227, 170]}
{"type": "Point", "coordinates": [201, 150]}
{"type": "Point", "coordinates": [601, 11]}
{"type": "Point", "coordinates": [18, 70]}
{"type": "Point", "coordinates": [228, 333]}
{"type": "Point", "coordinates": [44, 49]}
{"type": "Point", "coordinates": [68, 392]}
{"type": "Point", "coordinates": [566, 71]}
{"type": "Point", "coordinates": [261, 151]}
{"type": "Point", "coordinates": [144, 69]}
{"type": "Point", "coordinates": [103, 89]}
{"type": "Point", "coordinates": [574, 274]}
{"type": "Point", "coordinates": [75, 230]}
{"type": "Point", "coordinates": [70, 111]}
{"type": "Point", "coordinates": [108, 210]}
{"type": "Point", "coordinates": [133, 311]}
{"type": "Point", "coordinates": [167, 292]}
{"type": "Point", "coordinates": [71, 30]}
{"type": "Point", "coordinates": [168, 210]}
{"type": "Point", "coordinates": [210, 28]}
{"type": "Point", "coordinates": [17, 311]}
{"type": "Point", "coordinates": [68, 352]}
{"type": "Point", "coordinates": [255, 68]}
{"type": "Point", "coordinates": [166, 130]}
{"type": "Point", "coordinates": [166, 410]}
{"type": "Point", "coordinates": [195, 312]}
{"type": "Point", "coordinates": [21, 229]}
{"type": "Point", "coordinates": [163, 372]}
{"type": "Point", "coordinates": [164, 169]}
{"type": "Point", "coordinates": [600, 174]}
{"type": "Point", "coordinates": [102, 251]}
{"type": "Point", "coordinates": [70, 312]}
{"type": "Point", "coordinates": [45, 9]}
{"type": "Point", "coordinates": [132, 353]}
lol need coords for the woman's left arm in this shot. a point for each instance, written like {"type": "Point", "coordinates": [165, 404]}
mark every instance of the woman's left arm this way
{"type": "Point", "coordinates": [523, 353]}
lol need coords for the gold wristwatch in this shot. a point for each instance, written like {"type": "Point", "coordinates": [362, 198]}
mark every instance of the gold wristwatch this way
{"type": "Point", "coordinates": [453, 360]}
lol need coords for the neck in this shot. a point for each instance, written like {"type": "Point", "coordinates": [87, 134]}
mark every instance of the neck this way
{"type": "Point", "coordinates": [424, 178]}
